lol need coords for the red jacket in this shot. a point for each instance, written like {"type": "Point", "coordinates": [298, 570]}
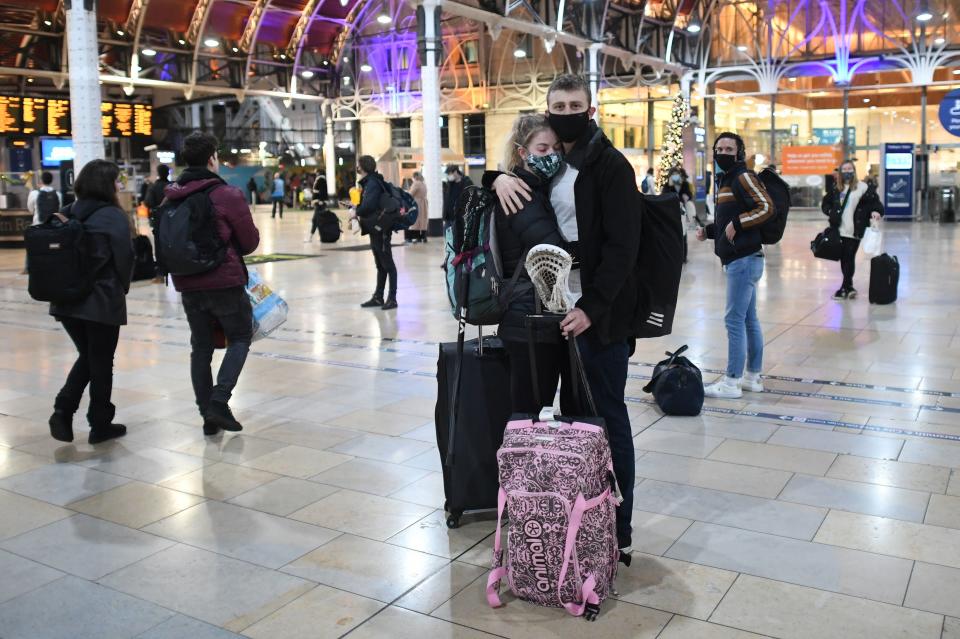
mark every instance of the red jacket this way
{"type": "Point", "coordinates": [234, 224]}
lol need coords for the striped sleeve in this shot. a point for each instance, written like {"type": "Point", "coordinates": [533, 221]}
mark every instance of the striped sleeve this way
{"type": "Point", "coordinates": [760, 208]}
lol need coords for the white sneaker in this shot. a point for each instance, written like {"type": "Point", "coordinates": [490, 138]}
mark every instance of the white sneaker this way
{"type": "Point", "coordinates": [752, 382]}
{"type": "Point", "coordinates": [725, 388]}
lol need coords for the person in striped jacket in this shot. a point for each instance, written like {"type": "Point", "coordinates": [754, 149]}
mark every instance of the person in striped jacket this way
{"type": "Point", "coordinates": [742, 206]}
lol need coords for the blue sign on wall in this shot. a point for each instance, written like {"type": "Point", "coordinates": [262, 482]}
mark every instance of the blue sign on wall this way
{"type": "Point", "coordinates": [898, 179]}
{"type": "Point", "coordinates": [832, 135]}
{"type": "Point", "coordinates": [950, 112]}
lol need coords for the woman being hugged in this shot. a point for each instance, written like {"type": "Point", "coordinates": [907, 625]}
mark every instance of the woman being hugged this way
{"type": "Point", "coordinates": [93, 323]}
{"type": "Point", "coordinates": [850, 207]}
{"type": "Point", "coordinates": [532, 156]}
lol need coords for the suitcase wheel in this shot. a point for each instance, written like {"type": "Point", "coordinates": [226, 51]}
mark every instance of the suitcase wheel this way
{"type": "Point", "coordinates": [453, 519]}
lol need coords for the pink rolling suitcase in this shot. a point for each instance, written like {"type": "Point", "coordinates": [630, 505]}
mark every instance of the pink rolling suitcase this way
{"type": "Point", "coordinates": [558, 487]}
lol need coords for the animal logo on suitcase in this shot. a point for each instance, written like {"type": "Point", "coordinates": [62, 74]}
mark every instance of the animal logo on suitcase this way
{"type": "Point", "coordinates": [558, 486]}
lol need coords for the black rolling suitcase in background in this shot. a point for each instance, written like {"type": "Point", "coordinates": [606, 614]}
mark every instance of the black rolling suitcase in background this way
{"type": "Point", "coordinates": [884, 278]}
{"type": "Point", "coordinates": [468, 448]}
{"type": "Point", "coordinates": [144, 266]}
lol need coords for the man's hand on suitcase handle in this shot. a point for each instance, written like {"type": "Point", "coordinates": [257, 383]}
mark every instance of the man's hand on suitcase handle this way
{"type": "Point", "coordinates": [575, 323]}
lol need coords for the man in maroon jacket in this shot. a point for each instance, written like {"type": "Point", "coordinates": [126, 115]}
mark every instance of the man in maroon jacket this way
{"type": "Point", "coordinates": [217, 296]}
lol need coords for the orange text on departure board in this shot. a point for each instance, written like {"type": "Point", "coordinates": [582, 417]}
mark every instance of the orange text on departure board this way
{"type": "Point", "coordinates": [9, 114]}
{"type": "Point", "coordinates": [58, 116]}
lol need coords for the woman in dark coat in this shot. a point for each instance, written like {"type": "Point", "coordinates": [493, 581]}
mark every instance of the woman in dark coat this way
{"type": "Point", "coordinates": [93, 323]}
{"type": "Point", "coordinates": [533, 158]}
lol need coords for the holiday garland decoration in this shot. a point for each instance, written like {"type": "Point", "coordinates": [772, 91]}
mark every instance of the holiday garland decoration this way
{"type": "Point", "coordinates": [671, 155]}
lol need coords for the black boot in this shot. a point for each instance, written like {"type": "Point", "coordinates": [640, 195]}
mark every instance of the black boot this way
{"type": "Point", "coordinates": [210, 427]}
{"type": "Point", "coordinates": [376, 300]}
{"type": "Point", "coordinates": [106, 432]}
{"type": "Point", "coordinates": [219, 415]}
{"type": "Point", "coordinates": [390, 304]}
{"type": "Point", "coordinates": [61, 426]}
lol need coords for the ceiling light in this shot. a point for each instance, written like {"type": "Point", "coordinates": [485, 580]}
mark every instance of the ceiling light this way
{"type": "Point", "coordinates": [283, 56]}
{"type": "Point", "coordinates": [120, 32]}
{"type": "Point", "coordinates": [748, 101]}
{"type": "Point", "coordinates": [47, 23]}
{"type": "Point", "coordinates": [246, 151]}
{"type": "Point", "coordinates": [128, 90]}
{"type": "Point", "coordinates": [346, 79]}
{"type": "Point", "coordinates": [519, 53]}
{"type": "Point", "coordinates": [182, 42]}
{"type": "Point", "coordinates": [383, 18]}
{"type": "Point", "coordinates": [149, 52]}
{"type": "Point", "coordinates": [235, 50]}
{"type": "Point", "coordinates": [866, 100]}
{"type": "Point", "coordinates": [306, 73]}
{"type": "Point", "coordinates": [792, 78]}
{"type": "Point", "coordinates": [873, 106]}
{"type": "Point", "coordinates": [366, 68]}
{"type": "Point", "coordinates": [939, 41]}
{"type": "Point", "coordinates": [956, 72]}
{"type": "Point", "coordinates": [234, 150]}
{"type": "Point", "coordinates": [924, 16]}
{"type": "Point", "coordinates": [326, 62]}
{"type": "Point", "coordinates": [30, 80]}
{"type": "Point", "coordinates": [346, 59]}
{"type": "Point", "coordinates": [344, 3]}
{"type": "Point", "coordinates": [314, 146]}
{"type": "Point", "coordinates": [742, 48]}
{"type": "Point", "coordinates": [694, 26]}
{"type": "Point", "coordinates": [211, 42]}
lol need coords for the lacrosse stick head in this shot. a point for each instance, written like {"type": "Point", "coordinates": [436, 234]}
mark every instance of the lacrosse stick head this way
{"type": "Point", "coordinates": [549, 269]}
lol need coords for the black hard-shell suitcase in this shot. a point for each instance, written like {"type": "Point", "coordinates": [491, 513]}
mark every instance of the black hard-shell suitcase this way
{"type": "Point", "coordinates": [884, 278]}
{"type": "Point", "coordinates": [470, 479]}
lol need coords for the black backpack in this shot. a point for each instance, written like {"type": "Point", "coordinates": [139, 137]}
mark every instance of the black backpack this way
{"type": "Point", "coordinates": [329, 226]}
{"type": "Point", "coordinates": [186, 237]}
{"type": "Point", "coordinates": [395, 201]}
{"type": "Point", "coordinates": [47, 204]}
{"type": "Point", "coordinates": [659, 263]}
{"type": "Point", "coordinates": [58, 260]}
{"type": "Point", "coordinates": [772, 230]}
{"type": "Point", "coordinates": [144, 267]}
{"type": "Point", "coordinates": [677, 385]}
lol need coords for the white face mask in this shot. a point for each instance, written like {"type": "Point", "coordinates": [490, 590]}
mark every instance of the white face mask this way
{"type": "Point", "coordinates": [451, 177]}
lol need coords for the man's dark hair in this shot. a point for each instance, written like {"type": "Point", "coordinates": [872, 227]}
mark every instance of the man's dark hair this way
{"type": "Point", "coordinates": [741, 147]}
{"type": "Point", "coordinates": [452, 168]}
{"type": "Point", "coordinates": [367, 164]}
{"type": "Point", "coordinates": [97, 181]}
{"type": "Point", "coordinates": [163, 171]}
{"type": "Point", "coordinates": [198, 148]}
{"type": "Point", "coordinates": [650, 171]}
{"type": "Point", "coordinates": [47, 178]}
{"type": "Point", "coordinates": [570, 82]}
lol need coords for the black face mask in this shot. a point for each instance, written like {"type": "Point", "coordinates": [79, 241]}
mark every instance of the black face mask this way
{"type": "Point", "coordinates": [725, 162]}
{"type": "Point", "coordinates": [569, 127]}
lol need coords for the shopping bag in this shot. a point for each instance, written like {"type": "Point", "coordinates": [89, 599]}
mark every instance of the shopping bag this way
{"type": "Point", "coordinates": [269, 309]}
{"type": "Point", "coordinates": [872, 243]}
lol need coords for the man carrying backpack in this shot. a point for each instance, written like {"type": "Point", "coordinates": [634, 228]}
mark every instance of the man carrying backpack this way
{"type": "Point", "coordinates": [43, 202]}
{"type": "Point", "coordinates": [377, 213]}
{"type": "Point", "coordinates": [742, 207]}
{"type": "Point", "coordinates": [214, 297]}
{"type": "Point", "coordinates": [648, 184]}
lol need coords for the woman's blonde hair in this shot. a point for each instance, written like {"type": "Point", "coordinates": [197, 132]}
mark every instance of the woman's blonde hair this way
{"type": "Point", "coordinates": [856, 180]}
{"type": "Point", "coordinates": [523, 131]}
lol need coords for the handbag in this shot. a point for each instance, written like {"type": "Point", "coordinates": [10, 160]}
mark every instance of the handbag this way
{"type": "Point", "coordinates": [269, 309]}
{"type": "Point", "coordinates": [677, 385]}
{"type": "Point", "coordinates": [872, 243]}
{"type": "Point", "coordinates": [827, 245]}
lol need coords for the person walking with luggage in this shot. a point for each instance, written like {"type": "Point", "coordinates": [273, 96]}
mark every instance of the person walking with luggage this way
{"type": "Point", "coordinates": [418, 189]}
{"type": "Point", "coordinates": [155, 193]}
{"type": "Point", "coordinates": [217, 296]}
{"type": "Point", "coordinates": [277, 195]}
{"type": "Point", "coordinates": [93, 322]}
{"type": "Point", "coordinates": [595, 200]}
{"type": "Point", "coordinates": [742, 206]}
{"type": "Point", "coordinates": [648, 186]}
{"type": "Point", "coordinates": [377, 223]}
{"type": "Point", "coordinates": [43, 202]}
{"type": "Point", "coordinates": [850, 208]}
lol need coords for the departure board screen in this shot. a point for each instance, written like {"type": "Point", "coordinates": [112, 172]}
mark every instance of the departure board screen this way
{"type": "Point", "coordinates": [10, 114]}
{"type": "Point", "coordinates": [58, 117]}
{"type": "Point", "coordinates": [51, 116]}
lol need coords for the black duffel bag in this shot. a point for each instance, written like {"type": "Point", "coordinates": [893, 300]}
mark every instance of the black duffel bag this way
{"type": "Point", "coordinates": [677, 385]}
{"type": "Point", "coordinates": [827, 245]}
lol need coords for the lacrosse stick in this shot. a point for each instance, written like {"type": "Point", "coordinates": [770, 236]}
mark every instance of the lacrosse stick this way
{"type": "Point", "coordinates": [549, 269]}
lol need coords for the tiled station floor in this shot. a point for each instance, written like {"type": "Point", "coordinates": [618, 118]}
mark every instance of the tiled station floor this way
{"type": "Point", "coordinates": [826, 507]}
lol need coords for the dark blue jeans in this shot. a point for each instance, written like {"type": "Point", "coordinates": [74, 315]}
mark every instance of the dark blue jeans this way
{"type": "Point", "coordinates": [230, 308]}
{"type": "Point", "coordinates": [606, 368]}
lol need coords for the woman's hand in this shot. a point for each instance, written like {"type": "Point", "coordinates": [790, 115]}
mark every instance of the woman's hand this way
{"type": "Point", "coordinates": [509, 190]}
{"type": "Point", "coordinates": [730, 231]}
{"type": "Point", "coordinates": [701, 234]}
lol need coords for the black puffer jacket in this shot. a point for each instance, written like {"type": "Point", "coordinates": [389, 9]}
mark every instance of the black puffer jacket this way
{"type": "Point", "coordinates": [110, 251]}
{"type": "Point", "coordinates": [370, 211]}
{"type": "Point", "coordinates": [869, 202]}
{"type": "Point", "coordinates": [535, 223]}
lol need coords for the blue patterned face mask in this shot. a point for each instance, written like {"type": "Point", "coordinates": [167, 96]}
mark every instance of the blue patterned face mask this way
{"type": "Point", "coordinates": [546, 166]}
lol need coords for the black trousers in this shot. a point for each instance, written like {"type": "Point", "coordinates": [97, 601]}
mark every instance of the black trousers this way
{"type": "Point", "coordinates": [277, 201]}
{"type": "Point", "coordinates": [383, 258]}
{"type": "Point", "coordinates": [848, 260]}
{"type": "Point", "coordinates": [230, 308]}
{"type": "Point", "coordinates": [553, 369]}
{"type": "Point", "coordinates": [96, 345]}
